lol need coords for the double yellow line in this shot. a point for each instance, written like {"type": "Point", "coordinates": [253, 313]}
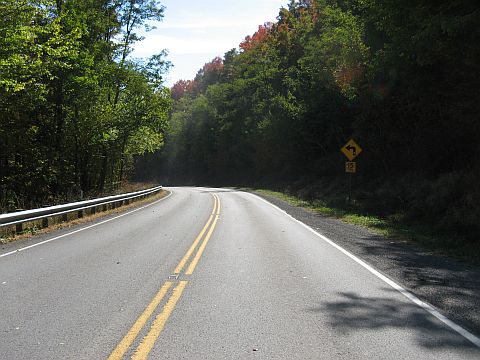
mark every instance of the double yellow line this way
{"type": "Point", "coordinates": [158, 324]}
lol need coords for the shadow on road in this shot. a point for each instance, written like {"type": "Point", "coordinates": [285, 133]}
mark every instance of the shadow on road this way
{"type": "Point", "coordinates": [451, 286]}
{"type": "Point", "coordinates": [352, 313]}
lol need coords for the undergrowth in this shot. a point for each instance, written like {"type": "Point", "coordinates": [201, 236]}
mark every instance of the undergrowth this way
{"type": "Point", "coordinates": [394, 226]}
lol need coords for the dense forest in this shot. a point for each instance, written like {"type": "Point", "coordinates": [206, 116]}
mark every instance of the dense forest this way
{"type": "Point", "coordinates": [400, 77]}
{"type": "Point", "coordinates": [78, 114]}
{"type": "Point", "coordinates": [75, 108]}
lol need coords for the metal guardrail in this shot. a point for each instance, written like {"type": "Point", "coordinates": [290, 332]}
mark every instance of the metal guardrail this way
{"type": "Point", "coordinates": [20, 217]}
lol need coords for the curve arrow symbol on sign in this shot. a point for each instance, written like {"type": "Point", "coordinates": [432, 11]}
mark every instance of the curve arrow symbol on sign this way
{"type": "Point", "coordinates": [353, 149]}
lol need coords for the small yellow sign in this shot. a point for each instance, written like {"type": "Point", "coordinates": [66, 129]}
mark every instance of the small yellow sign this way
{"type": "Point", "coordinates": [351, 150]}
{"type": "Point", "coordinates": [351, 167]}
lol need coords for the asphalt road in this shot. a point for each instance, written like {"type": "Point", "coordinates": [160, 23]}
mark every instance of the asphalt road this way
{"type": "Point", "coordinates": [209, 274]}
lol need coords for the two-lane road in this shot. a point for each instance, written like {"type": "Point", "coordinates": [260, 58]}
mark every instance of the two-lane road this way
{"type": "Point", "coordinates": [209, 274]}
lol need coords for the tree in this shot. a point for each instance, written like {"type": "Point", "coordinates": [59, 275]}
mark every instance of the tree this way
{"type": "Point", "coordinates": [400, 77]}
{"type": "Point", "coordinates": [74, 108]}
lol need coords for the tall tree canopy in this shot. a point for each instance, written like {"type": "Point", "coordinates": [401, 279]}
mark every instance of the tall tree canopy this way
{"type": "Point", "coordinates": [401, 77]}
{"type": "Point", "coordinates": [74, 108]}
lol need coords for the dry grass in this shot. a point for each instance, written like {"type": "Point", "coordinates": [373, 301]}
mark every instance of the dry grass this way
{"type": "Point", "coordinates": [392, 228]}
{"type": "Point", "coordinates": [132, 187]}
{"type": "Point", "coordinates": [30, 232]}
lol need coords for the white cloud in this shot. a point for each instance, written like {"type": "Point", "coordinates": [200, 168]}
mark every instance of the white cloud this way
{"type": "Point", "coordinates": [194, 32]}
{"type": "Point", "coordinates": [214, 24]}
{"type": "Point", "coordinates": [182, 46]}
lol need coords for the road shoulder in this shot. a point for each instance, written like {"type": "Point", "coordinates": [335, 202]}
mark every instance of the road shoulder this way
{"type": "Point", "coordinates": [450, 286]}
{"type": "Point", "coordinates": [31, 238]}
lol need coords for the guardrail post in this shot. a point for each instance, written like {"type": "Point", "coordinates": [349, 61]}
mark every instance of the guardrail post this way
{"type": "Point", "coordinates": [59, 213]}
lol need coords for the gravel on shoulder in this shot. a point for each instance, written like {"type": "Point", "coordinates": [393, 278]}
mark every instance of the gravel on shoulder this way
{"type": "Point", "coordinates": [450, 286]}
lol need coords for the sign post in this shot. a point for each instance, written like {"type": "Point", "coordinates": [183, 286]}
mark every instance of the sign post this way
{"type": "Point", "coordinates": [351, 150]}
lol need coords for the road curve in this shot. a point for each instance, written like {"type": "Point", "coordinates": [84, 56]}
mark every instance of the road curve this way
{"type": "Point", "coordinates": [208, 274]}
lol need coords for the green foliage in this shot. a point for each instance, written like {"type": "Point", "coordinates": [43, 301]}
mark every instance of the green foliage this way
{"type": "Point", "coordinates": [402, 78]}
{"type": "Point", "coordinates": [74, 109]}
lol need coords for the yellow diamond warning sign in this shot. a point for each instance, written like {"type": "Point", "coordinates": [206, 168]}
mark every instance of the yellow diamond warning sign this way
{"type": "Point", "coordinates": [351, 150]}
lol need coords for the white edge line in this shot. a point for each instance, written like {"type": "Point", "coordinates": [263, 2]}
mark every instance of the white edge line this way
{"type": "Point", "coordinates": [82, 229]}
{"type": "Point", "coordinates": [427, 307]}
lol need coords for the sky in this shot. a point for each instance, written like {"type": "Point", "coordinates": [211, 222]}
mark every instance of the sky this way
{"type": "Point", "coordinates": [194, 32]}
